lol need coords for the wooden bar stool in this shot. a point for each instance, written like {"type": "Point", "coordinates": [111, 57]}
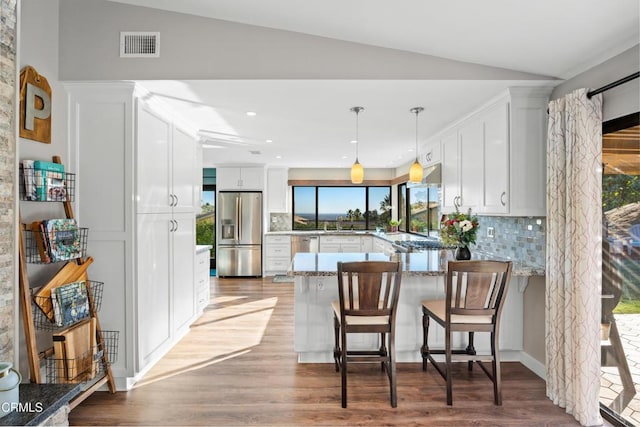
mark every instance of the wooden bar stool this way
{"type": "Point", "coordinates": [367, 303]}
{"type": "Point", "coordinates": [473, 303]}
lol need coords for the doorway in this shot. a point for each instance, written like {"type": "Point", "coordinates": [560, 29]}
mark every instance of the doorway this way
{"type": "Point", "coordinates": [621, 269]}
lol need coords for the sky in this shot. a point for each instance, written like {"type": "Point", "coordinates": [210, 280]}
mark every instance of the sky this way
{"type": "Point", "coordinates": [208, 197]}
{"type": "Point", "coordinates": [337, 200]}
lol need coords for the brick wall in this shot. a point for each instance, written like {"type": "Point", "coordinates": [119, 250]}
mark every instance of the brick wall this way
{"type": "Point", "coordinates": [8, 37]}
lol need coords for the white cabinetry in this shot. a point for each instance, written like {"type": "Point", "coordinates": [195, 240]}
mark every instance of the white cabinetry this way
{"type": "Point", "coordinates": [278, 254]}
{"type": "Point", "coordinates": [431, 154]}
{"type": "Point", "coordinates": [366, 244]}
{"type": "Point", "coordinates": [277, 190]}
{"type": "Point", "coordinates": [166, 160]}
{"type": "Point", "coordinates": [382, 246]}
{"type": "Point", "coordinates": [239, 178]}
{"type": "Point", "coordinates": [143, 243]}
{"type": "Point", "coordinates": [494, 160]}
{"type": "Point", "coordinates": [450, 171]}
{"type": "Point", "coordinates": [165, 280]}
{"type": "Point", "coordinates": [340, 244]}
{"type": "Point", "coordinates": [202, 272]}
{"type": "Point", "coordinates": [470, 139]}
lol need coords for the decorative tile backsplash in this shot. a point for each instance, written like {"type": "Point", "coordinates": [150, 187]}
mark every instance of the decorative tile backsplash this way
{"type": "Point", "coordinates": [280, 222]}
{"type": "Point", "coordinates": [517, 238]}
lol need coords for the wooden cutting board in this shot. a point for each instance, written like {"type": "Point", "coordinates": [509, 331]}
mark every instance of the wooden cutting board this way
{"type": "Point", "coordinates": [69, 273]}
{"type": "Point", "coordinates": [78, 348]}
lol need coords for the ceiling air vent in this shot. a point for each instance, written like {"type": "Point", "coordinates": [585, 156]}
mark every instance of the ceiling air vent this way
{"type": "Point", "coordinates": [139, 44]}
{"type": "Point", "coordinates": [255, 152]}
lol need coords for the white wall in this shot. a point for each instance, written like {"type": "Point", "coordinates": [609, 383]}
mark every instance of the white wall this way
{"type": "Point", "coordinates": [193, 47]}
{"type": "Point", "coordinates": [39, 49]}
{"type": "Point", "coordinates": [38, 43]}
{"type": "Point", "coordinates": [617, 102]}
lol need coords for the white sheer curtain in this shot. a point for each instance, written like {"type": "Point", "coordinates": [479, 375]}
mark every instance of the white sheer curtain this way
{"type": "Point", "coordinates": [574, 254]}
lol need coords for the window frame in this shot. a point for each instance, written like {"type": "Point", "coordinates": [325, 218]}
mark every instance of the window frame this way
{"type": "Point", "coordinates": [365, 188]}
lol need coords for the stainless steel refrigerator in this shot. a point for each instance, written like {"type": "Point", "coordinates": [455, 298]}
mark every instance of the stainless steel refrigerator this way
{"type": "Point", "coordinates": [239, 234]}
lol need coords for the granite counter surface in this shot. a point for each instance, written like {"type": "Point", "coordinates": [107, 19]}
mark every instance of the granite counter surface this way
{"type": "Point", "coordinates": [427, 263]}
{"type": "Point", "coordinates": [40, 401]}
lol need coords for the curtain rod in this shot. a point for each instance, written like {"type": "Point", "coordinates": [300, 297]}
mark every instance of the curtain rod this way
{"type": "Point", "coordinates": [614, 84]}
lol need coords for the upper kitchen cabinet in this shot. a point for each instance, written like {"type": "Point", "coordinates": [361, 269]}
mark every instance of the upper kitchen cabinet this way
{"type": "Point", "coordinates": [240, 178]}
{"type": "Point", "coordinates": [450, 170]}
{"type": "Point", "coordinates": [166, 160]}
{"type": "Point", "coordinates": [493, 160]}
{"type": "Point", "coordinates": [277, 189]}
{"type": "Point", "coordinates": [462, 170]}
{"type": "Point", "coordinates": [495, 191]}
{"type": "Point", "coordinates": [431, 154]}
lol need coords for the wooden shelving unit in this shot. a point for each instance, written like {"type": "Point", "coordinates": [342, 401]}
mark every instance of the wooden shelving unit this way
{"type": "Point", "coordinates": [26, 303]}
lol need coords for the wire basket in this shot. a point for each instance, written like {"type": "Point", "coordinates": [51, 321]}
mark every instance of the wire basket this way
{"type": "Point", "coordinates": [44, 313]}
{"type": "Point", "coordinates": [46, 247]}
{"type": "Point", "coordinates": [85, 367]}
{"type": "Point", "coordinates": [46, 186]}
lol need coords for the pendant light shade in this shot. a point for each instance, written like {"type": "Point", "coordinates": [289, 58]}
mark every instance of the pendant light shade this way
{"type": "Point", "coordinates": [416, 171]}
{"type": "Point", "coordinates": [357, 171]}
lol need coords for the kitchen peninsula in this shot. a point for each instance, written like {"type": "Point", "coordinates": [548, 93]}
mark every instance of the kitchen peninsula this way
{"type": "Point", "coordinates": [423, 277]}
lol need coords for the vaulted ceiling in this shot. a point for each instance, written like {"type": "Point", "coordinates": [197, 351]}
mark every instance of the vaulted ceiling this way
{"type": "Point", "coordinates": [307, 123]}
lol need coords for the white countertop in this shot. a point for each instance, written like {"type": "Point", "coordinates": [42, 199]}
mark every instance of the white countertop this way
{"type": "Point", "coordinates": [203, 248]}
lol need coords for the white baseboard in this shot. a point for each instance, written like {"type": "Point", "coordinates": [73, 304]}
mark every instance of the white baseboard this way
{"type": "Point", "coordinates": [533, 365]}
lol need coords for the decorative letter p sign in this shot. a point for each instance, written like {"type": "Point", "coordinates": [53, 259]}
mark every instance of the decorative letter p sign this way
{"type": "Point", "coordinates": [35, 106]}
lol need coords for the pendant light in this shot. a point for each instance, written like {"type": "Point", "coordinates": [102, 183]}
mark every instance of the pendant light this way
{"type": "Point", "coordinates": [415, 173]}
{"type": "Point", "coordinates": [357, 171]}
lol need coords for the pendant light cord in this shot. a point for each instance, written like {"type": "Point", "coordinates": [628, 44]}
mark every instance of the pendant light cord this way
{"type": "Point", "coordinates": [417, 110]}
{"type": "Point", "coordinates": [357, 136]}
{"type": "Point", "coordinates": [357, 111]}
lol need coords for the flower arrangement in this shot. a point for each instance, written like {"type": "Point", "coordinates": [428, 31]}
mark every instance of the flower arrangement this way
{"type": "Point", "coordinates": [459, 229]}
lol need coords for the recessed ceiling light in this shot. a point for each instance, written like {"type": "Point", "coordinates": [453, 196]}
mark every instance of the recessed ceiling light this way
{"type": "Point", "coordinates": [410, 150]}
{"type": "Point", "coordinates": [353, 141]}
{"type": "Point", "coordinates": [344, 157]}
{"type": "Point", "coordinates": [268, 140]}
{"type": "Point", "coordinates": [251, 113]}
{"type": "Point", "coordinates": [278, 157]}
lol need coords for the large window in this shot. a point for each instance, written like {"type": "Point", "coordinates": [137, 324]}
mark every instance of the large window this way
{"type": "Point", "coordinates": [351, 208]}
{"type": "Point", "coordinates": [419, 208]}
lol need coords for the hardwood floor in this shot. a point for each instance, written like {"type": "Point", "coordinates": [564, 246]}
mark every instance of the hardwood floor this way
{"type": "Point", "coordinates": [237, 367]}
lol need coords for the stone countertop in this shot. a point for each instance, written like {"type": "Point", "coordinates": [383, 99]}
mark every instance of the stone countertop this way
{"type": "Point", "coordinates": [40, 401]}
{"type": "Point", "coordinates": [203, 248]}
{"type": "Point", "coordinates": [427, 263]}
{"type": "Point", "coordinates": [390, 237]}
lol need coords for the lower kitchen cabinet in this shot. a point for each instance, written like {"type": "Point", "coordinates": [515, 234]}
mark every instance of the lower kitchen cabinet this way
{"type": "Point", "coordinates": [340, 243]}
{"type": "Point", "coordinates": [277, 254]}
{"type": "Point", "coordinates": [165, 278]}
{"type": "Point", "coordinates": [382, 246]}
{"type": "Point", "coordinates": [202, 271]}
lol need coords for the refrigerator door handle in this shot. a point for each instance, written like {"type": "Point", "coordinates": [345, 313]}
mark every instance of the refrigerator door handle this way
{"type": "Point", "coordinates": [236, 233]}
{"type": "Point", "coordinates": [239, 218]}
